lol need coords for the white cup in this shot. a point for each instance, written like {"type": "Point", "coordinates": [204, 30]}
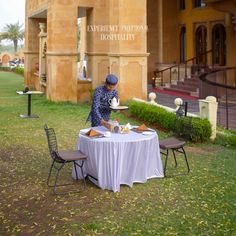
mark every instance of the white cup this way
{"type": "Point", "coordinates": [107, 134]}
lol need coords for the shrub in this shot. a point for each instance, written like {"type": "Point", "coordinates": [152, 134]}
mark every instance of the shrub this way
{"type": "Point", "coordinates": [91, 93]}
{"type": "Point", "coordinates": [226, 138]}
{"type": "Point", "coordinates": [18, 70]}
{"type": "Point", "coordinates": [5, 68]}
{"type": "Point", "coordinates": [152, 114]}
{"type": "Point", "coordinates": [200, 128]}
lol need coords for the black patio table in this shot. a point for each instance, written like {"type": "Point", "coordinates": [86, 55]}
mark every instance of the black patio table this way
{"type": "Point", "coordinates": [29, 93]}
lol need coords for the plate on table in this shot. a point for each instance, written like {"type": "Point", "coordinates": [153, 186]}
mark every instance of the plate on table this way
{"type": "Point", "coordinates": [147, 132]}
{"type": "Point", "coordinates": [119, 108]}
{"type": "Point", "coordinates": [142, 131]}
{"type": "Point", "coordinates": [85, 133]}
{"type": "Point", "coordinates": [95, 136]}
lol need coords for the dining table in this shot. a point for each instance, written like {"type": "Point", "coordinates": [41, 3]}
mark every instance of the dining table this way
{"type": "Point", "coordinates": [120, 159]}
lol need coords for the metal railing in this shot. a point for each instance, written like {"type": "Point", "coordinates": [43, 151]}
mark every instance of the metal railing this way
{"type": "Point", "coordinates": [224, 82]}
{"type": "Point", "coordinates": [216, 81]}
{"type": "Point", "coordinates": [192, 61]}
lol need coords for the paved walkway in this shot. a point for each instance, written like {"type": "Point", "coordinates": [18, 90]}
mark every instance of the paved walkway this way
{"type": "Point", "coordinates": [167, 99]}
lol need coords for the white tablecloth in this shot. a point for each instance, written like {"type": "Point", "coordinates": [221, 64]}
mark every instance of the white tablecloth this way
{"type": "Point", "coordinates": [121, 158]}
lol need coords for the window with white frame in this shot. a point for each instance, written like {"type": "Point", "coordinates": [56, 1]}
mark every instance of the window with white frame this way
{"type": "Point", "coordinates": [199, 3]}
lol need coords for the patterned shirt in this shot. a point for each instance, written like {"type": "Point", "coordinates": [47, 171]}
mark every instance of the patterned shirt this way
{"type": "Point", "coordinates": [100, 106]}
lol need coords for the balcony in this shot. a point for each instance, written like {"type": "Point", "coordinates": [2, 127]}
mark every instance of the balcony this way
{"type": "Point", "coordinates": [222, 5]}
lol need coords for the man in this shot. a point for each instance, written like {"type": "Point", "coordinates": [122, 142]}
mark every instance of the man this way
{"type": "Point", "coordinates": [100, 111]}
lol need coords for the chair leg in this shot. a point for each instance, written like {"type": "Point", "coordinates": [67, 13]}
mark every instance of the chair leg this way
{"type": "Point", "coordinates": [167, 154]}
{"type": "Point", "coordinates": [55, 186]}
{"type": "Point", "coordinates": [185, 156]}
{"type": "Point", "coordinates": [173, 151]}
{"type": "Point", "coordinates": [82, 171]}
{"type": "Point", "coordinates": [49, 175]}
{"type": "Point", "coordinates": [55, 183]}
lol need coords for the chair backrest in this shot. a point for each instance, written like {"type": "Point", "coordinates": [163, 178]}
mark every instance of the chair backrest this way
{"type": "Point", "coordinates": [52, 142]}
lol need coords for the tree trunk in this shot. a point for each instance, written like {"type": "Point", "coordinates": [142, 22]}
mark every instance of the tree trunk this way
{"type": "Point", "coordinates": [15, 45]}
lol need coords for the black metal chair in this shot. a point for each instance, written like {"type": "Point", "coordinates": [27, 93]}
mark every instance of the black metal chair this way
{"type": "Point", "coordinates": [60, 158]}
{"type": "Point", "coordinates": [176, 143]}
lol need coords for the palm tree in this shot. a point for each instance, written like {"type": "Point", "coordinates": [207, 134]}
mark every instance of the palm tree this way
{"type": "Point", "coordinates": [13, 32]}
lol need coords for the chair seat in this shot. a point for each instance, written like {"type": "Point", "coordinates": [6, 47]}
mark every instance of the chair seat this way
{"type": "Point", "coordinates": [171, 143]}
{"type": "Point", "coordinates": [72, 155]}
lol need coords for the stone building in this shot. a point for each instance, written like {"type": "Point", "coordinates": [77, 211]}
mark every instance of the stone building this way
{"type": "Point", "coordinates": [129, 38]}
{"type": "Point", "coordinates": [5, 57]}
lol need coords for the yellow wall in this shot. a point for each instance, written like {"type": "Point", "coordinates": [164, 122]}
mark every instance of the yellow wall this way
{"type": "Point", "coordinates": [191, 18]}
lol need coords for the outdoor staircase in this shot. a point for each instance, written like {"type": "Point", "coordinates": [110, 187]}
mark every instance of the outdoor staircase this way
{"type": "Point", "coordinates": [187, 86]}
{"type": "Point", "coordinates": [188, 79]}
{"type": "Point", "coordinates": [190, 85]}
{"type": "Point", "coordinates": [231, 99]}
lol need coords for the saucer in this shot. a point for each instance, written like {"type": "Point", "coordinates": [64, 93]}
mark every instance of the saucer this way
{"type": "Point", "coordinates": [147, 133]}
{"type": "Point", "coordinates": [119, 107]}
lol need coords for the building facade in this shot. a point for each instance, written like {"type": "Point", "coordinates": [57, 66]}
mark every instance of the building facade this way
{"type": "Point", "coordinates": [128, 38]}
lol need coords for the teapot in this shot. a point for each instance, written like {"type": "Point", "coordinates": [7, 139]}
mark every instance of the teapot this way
{"type": "Point", "coordinates": [114, 102]}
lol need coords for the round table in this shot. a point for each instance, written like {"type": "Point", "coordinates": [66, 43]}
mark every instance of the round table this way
{"type": "Point", "coordinates": [121, 158]}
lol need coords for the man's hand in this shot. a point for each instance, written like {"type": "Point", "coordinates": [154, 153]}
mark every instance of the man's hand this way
{"type": "Point", "coordinates": [106, 124]}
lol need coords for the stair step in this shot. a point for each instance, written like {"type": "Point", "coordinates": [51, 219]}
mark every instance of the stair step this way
{"type": "Point", "coordinates": [189, 82]}
{"type": "Point", "coordinates": [185, 92]}
{"type": "Point", "coordinates": [230, 102]}
{"type": "Point", "coordinates": [231, 98]}
{"type": "Point", "coordinates": [194, 78]}
{"type": "Point", "coordinates": [188, 86]}
{"type": "Point", "coordinates": [185, 87]}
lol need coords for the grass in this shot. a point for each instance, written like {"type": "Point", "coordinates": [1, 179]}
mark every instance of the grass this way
{"type": "Point", "coordinates": [201, 203]}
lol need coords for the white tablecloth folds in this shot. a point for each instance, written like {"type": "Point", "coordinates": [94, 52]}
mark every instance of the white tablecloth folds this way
{"type": "Point", "coordinates": [121, 158]}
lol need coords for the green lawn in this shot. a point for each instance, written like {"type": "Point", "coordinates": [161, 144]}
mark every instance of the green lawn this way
{"type": "Point", "coordinates": [201, 203]}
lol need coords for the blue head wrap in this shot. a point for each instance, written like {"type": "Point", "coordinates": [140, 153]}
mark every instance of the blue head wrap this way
{"type": "Point", "coordinates": [111, 79]}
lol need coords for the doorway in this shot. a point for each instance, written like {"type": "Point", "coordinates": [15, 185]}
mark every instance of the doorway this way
{"type": "Point", "coordinates": [219, 45]}
{"type": "Point", "coordinates": [183, 44]}
{"type": "Point", "coordinates": [201, 45]}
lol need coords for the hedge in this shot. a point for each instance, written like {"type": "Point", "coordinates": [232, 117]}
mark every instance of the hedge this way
{"type": "Point", "coordinates": [226, 138]}
{"type": "Point", "coordinates": [18, 70]}
{"type": "Point", "coordinates": [200, 128]}
{"type": "Point", "coordinates": [5, 68]}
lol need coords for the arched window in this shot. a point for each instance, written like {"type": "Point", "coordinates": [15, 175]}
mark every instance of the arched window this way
{"type": "Point", "coordinates": [219, 45]}
{"type": "Point", "coordinates": [183, 44]}
{"type": "Point", "coordinates": [199, 3]}
{"type": "Point", "coordinates": [182, 4]}
{"type": "Point", "coordinates": [201, 44]}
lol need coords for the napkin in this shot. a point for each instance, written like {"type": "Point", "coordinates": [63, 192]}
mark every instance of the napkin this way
{"type": "Point", "coordinates": [92, 133]}
{"type": "Point", "coordinates": [128, 126]}
{"type": "Point", "coordinates": [142, 127]}
{"type": "Point", "coordinates": [125, 129]}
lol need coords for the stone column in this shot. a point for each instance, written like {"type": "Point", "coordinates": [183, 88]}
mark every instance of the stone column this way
{"type": "Point", "coordinates": [154, 36]}
{"type": "Point", "coordinates": [121, 48]}
{"type": "Point", "coordinates": [62, 51]}
{"type": "Point", "coordinates": [129, 54]}
{"type": "Point", "coordinates": [208, 110]}
{"type": "Point", "coordinates": [31, 53]}
{"type": "Point", "coordinates": [96, 49]}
